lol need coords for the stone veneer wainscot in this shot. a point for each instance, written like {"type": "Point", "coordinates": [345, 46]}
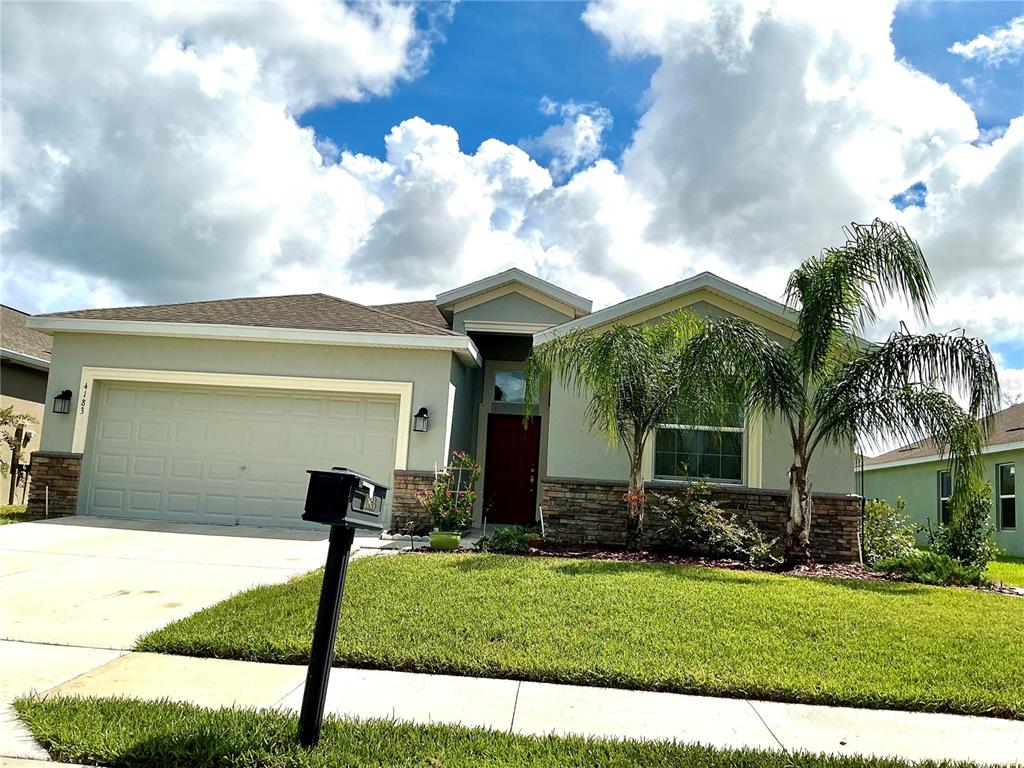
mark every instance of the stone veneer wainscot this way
{"type": "Point", "coordinates": [580, 512]}
{"type": "Point", "coordinates": [58, 474]}
{"type": "Point", "coordinates": [404, 507]}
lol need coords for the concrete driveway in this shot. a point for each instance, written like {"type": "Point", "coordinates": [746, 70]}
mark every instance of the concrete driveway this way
{"type": "Point", "coordinates": [76, 592]}
{"type": "Point", "coordinates": [101, 583]}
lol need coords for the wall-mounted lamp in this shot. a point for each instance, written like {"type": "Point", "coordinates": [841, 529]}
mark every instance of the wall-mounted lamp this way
{"type": "Point", "coordinates": [62, 402]}
{"type": "Point", "coordinates": [421, 421]}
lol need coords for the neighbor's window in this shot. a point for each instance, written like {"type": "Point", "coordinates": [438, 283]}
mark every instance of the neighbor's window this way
{"type": "Point", "coordinates": [1006, 494]}
{"type": "Point", "coordinates": [683, 451]}
{"type": "Point", "coordinates": [509, 387]}
{"type": "Point", "coordinates": [945, 491]}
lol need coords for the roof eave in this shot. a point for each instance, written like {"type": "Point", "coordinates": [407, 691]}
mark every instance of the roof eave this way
{"type": "Point", "coordinates": [28, 361]}
{"type": "Point", "coordinates": [460, 345]}
{"type": "Point", "coordinates": [932, 457]}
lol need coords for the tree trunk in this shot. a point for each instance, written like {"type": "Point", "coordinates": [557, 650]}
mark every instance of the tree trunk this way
{"type": "Point", "coordinates": [634, 499]}
{"type": "Point", "coordinates": [801, 509]}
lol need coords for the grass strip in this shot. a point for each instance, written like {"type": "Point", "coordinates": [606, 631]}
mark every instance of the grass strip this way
{"type": "Point", "coordinates": [125, 733]}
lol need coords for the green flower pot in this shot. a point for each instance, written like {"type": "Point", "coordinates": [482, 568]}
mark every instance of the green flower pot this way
{"type": "Point", "coordinates": [445, 541]}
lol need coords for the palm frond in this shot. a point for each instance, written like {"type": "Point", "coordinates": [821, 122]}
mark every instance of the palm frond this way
{"type": "Point", "coordinates": [741, 362]}
{"type": "Point", "coordinates": [631, 374]}
{"type": "Point", "coordinates": [951, 362]}
{"type": "Point", "coordinates": [842, 289]}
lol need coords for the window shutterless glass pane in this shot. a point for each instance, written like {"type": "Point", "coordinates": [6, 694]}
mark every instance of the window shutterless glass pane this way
{"type": "Point", "coordinates": [945, 484]}
{"type": "Point", "coordinates": [944, 515]}
{"type": "Point", "coordinates": [1007, 480]}
{"type": "Point", "coordinates": [1007, 512]}
{"type": "Point", "coordinates": [664, 463]}
{"type": "Point", "coordinates": [711, 466]}
{"type": "Point", "coordinates": [693, 453]}
{"type": "Point", "coordinates": [509, 386]}
{"type": "Point", "coordinates": [731, 468]}
{"type": "Point", "coordinates": [732, 444]}
{"type": "Point", "coordinates": [665, 440]}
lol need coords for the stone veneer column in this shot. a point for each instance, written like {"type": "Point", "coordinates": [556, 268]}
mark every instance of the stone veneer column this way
{"type": "Point", "coordinates": [404, 507]}
{"type": "Point", "coordinates": [58, 473]}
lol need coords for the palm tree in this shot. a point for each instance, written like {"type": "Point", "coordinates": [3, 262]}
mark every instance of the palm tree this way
{"type": "Point", "coordinates": [830, 387]}
{"type": "Point", "coordinates": [634, 378]}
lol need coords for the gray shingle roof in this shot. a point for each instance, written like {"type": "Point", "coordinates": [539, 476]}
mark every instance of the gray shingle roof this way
{"type": "Point", "coordinates": [17, 338]}
{"type": "Point", "coordinates": [1007, 427]}
{"type": "Point", "coordinates": [425, 311]}
{"type": "Point", "coordinates": [307, 311]}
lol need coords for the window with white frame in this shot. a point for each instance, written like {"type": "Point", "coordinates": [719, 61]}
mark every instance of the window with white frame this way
{"type": "Point", "coordinates": [1006, 496]}
{"type": "Point", "coordinates": [687, 451]}
{"type": "Point", "coordinates": [945, 491]}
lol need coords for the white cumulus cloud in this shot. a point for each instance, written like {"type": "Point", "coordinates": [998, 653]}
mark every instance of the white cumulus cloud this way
{"type": "Point", "coordinates": [574, 143]}
{"type": "Point", "coordinates": [1004, 45]}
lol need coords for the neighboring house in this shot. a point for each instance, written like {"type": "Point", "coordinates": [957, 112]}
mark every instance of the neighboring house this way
{"type": "Point", "coordinates": [212, 411]}
{"type": "Point", "coordinates": [919, 473]}
{"type": "Point", "coordinates": [24, 365]}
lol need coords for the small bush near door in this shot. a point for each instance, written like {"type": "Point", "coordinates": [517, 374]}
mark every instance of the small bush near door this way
{"type": "Point", "coordinates": [512, 540]}
{"type": "Point", "coordinates": [695, 524]}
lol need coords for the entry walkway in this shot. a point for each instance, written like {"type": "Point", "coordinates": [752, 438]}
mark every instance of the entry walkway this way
{"type": "Point", "coordinates": [541, 708]}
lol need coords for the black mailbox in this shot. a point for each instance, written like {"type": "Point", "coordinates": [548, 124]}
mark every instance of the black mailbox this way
{"type": "Point", "coordinates": [340, 496]}
{"type": "Point", "coordinates": [344, 500]}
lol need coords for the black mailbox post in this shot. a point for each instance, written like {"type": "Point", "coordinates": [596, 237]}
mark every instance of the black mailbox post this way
{"type": "Point", "coordinates": [344, 500]}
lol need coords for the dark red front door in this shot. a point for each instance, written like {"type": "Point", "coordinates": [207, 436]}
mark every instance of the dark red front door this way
{"type": "Point", "coordinates": [510, 479]}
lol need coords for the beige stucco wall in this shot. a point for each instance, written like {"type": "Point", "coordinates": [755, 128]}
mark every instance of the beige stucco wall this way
{"type": "Point", "coordinates": [430, 373]}
{"type": "Point", "coordinates": [573, 450]}
{"type": "Point", "coordinates": [35, 410]}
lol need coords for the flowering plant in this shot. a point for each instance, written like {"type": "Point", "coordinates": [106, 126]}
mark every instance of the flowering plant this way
{"type": "Point", "coordinates": [451, 498]}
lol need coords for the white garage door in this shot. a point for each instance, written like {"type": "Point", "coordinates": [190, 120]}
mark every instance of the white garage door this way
{"type": "Point", "coordinates": [225, 455]}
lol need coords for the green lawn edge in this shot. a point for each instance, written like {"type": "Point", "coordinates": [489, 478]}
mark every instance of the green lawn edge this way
{"type": "Point", "coordinates": [954, 672]}
{"type": "Point", "coordinates": [129, 733]}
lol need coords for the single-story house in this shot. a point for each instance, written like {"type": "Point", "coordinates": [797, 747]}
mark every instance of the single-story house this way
{"type": "Point", "coordinates": [24, 366]}
{"type": "Point", "coordinates": [212, 411]}
{"type": "Point", "coordinates": [919, 474]}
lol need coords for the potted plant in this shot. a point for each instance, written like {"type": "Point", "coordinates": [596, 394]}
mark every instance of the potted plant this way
{"type": "Point", "coordinates": [450, 501]}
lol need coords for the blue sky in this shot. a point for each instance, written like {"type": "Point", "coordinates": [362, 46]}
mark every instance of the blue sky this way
{"type": "Point", "coordinates": [487, 77]}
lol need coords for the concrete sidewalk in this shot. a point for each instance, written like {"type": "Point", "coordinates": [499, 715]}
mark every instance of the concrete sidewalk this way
{"type": "Point", "coordinates": [540, 708]}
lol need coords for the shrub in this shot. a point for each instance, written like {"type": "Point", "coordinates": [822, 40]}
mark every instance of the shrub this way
{"type": "Point", "coordinates": [933, 568]}
{"type": "Point", "coordinates": [696, 524]}
{"type": "Point", "coordinates": [507, 541]}
{"type": "Point", "coordinates": [968, 536]}
{"type": "Point", "coordinates": [888, 533]}
{"type": "Point", "coordinates": [451, 498]}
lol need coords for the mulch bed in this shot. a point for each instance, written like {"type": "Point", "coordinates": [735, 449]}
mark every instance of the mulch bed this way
{"type": "Point", "coordinates": [809, 570]}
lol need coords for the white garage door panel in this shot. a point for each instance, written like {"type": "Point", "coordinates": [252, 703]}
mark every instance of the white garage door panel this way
{"type": "Point", "coordinates": [226, 455]}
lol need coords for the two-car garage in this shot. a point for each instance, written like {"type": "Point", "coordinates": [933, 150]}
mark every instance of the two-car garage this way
{"type": "Point", "coordinates": [226, 454]}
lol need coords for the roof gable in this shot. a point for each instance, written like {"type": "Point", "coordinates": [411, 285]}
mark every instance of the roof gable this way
{"type": "Point", "coordinates": [493, 285]}
{"type": "Point", "coordinates": [705, 286]}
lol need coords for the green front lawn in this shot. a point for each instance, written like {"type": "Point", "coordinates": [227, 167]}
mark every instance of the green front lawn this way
{"type": "Point", "coordinates": [134, 734]}
{"type": "Point", "coordinates": [1007, 570]}
{"type": "Point", "coordinates": [637, 625]}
